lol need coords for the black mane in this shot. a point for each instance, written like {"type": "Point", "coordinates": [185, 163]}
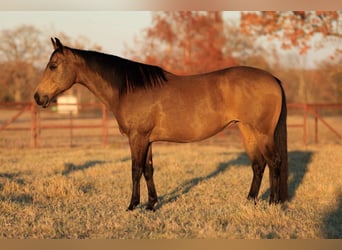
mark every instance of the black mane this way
{"type": "Point", "coordinates": [131, 75]}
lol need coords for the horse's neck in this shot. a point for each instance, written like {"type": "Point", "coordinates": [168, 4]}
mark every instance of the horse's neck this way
{"type": "Point", "coordinates": [99, 86]}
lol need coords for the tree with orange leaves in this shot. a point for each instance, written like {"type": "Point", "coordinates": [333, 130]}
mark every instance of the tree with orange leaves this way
{"type": "Point", "coordinates": [185, 42]}
{"type": "Point", "coordinates": [294, 29]}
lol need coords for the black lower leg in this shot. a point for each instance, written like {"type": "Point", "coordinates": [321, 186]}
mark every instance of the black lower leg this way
{"type": "Point", "coordinates": [152, 194]}
{"type": "Point", "coordinates": [136, 176]}
{"type": "Point", "coordinates": [138, 146]}
{"type": "Point", "coordinates": [258, 172]}
{"type": "Point", "coordinates": [148, 174]}
{"type": "Point", "coordinates": [274, 181]}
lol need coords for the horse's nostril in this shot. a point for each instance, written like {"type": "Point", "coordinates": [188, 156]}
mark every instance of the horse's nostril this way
{"type": "Point", "coordinates": [45, 101]}
{"type": "Point", "coordinates": [42, 100]}
{"type": "Point", "coordinates": [36, 97]}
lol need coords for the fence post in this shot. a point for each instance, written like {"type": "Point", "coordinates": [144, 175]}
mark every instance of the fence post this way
{"type": "Point", "coordinates": [104, 125]}
{"type": "Point", "coordinates": [316, 127]}
{"type": "Point", "coordinates": [33, 125]}
{"type": "Point", "coordinates": [71, 127]}
{"type": "Point", "coordinates": [305, 124]}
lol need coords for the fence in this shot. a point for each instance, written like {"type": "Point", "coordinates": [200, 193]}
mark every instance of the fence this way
{"type": "Point", "coordinates": [314, 110]}
{"type": "Point", "coordinates": [35, 122]}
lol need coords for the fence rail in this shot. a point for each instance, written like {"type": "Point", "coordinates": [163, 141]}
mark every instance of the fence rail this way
{"type": "Point", "coordinates": [35, 124]}
{"type": "Point", "coordinates": [35, 121]}
{"type": "Point", "coordinates": [313, 109]}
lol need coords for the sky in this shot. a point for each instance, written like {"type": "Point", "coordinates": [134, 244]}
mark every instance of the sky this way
{"type": "Point", "coordinates": [113, 30]}
{"type": "Point", "coordinates": [109, 29]}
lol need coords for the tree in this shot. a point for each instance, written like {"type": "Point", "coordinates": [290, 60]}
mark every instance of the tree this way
{"type": "Point", "coordinates": [18, 81]}
{"type": "Point", "coordinates": [185, 42]}
{"type": "Point", "coordinates": [245, 50]}
{"type": "Point", "coordinates": [294, 29]}
{"type": "Point", "coordinates": [22, 44]}
{"type": "Point", "coordinates": [20, 50]}
{"type": "Point", "coordinates": [24, 52]}
{"type": "Point", "coordinates": [332, 74]}
{"type": "Point", "coordinates": [297, 31]}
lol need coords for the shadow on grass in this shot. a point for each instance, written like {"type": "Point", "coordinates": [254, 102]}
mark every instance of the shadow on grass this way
{"type": "Point", "coordinates": [71, 167]}
{"type": "Point", "coordinates": [186, 186]}
{"type": "Point", "coordinates": [24, 199]}
{"type": "Point", "coordinates": [12, 177]}
{"type": "Point", "coordinates": [332, 223]}
{"type": "Point", "coordinates": [20, 199]}
{"type": "Point", "coordinates": [298, 166]}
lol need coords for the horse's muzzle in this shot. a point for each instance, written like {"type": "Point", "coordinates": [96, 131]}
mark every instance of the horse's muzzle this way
{"type": "Point", "coordinates": [43, 101]}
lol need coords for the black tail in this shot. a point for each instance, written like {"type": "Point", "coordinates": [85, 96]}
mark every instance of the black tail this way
{"type": "Point", "coordinates": [280, 138]}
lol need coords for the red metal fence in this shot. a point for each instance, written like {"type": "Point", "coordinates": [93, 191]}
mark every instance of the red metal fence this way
{"type": "Point", "coordinates": [314, 110]}
{"type": "Point", "coordinates": [36, 120]}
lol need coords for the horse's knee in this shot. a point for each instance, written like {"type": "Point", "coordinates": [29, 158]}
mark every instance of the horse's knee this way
{"type": "Point", "coordinates": [136, 172]}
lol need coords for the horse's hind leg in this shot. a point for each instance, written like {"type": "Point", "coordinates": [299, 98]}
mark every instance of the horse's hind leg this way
{"type": "Point", "coordinates": [273, 160]}
{"type": "Point", "coordinates": [256, 158]}
{"type": "Point", "coordinates": [258, 167]}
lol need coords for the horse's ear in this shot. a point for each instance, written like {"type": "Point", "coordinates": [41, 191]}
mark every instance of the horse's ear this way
{"type": "Point", "coordinates": [53, 43]}
{"type": "Point", "coordinates": [57, 44]}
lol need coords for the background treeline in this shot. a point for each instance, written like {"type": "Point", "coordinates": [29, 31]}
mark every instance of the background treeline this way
{"type": "Point", "coordinates": [283, 43]}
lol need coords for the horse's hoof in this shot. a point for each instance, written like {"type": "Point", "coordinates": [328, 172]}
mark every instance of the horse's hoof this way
{"type": "Point", "coordinates": [131, 208]}
{"type": "Point", "coordinates": [254, 199]}
{"type": "Point", "coordinates": [274, 202]}
{"type": "Point", "coordinates": [150, 208]}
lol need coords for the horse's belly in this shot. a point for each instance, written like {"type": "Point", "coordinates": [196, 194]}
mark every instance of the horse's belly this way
{"type": "Point", "coordinates": [183, 130]}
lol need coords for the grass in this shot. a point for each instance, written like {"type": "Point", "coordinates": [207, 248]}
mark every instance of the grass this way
{"type": "Point", "coordinates": [83, 192]}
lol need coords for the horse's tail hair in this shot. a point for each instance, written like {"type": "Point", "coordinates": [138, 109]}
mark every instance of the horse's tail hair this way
{"type": "Point", "coordinates": [280, 138]}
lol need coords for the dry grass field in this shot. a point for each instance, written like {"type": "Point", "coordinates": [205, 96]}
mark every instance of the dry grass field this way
{"type": "Point", "coordinates": [59, 192]}
{"type": "Point", "coordinates": [83, 192]}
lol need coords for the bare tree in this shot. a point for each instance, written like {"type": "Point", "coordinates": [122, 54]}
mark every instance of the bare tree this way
{"type": "Point", "coordinates": [24, 52]}
{"type": "Point", "coordinates": [23, 44]}
{"type": "Point", "coordinates": [21, 49]}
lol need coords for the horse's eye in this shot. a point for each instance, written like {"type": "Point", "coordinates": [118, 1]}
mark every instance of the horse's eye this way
{"type": "Point", "coordinates": [52, 66]}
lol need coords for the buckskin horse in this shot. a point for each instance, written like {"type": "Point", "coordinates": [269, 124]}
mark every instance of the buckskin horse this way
{"type": "Point", "coordinates": [151, 104]}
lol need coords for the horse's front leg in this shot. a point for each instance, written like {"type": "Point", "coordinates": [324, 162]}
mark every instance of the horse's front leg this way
{"type": "Point", "coordinates": [148, 174]}
{"type": "Point", "coordinates": [138, 145]}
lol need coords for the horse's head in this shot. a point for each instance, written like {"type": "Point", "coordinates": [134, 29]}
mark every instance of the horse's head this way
{"type": "Point", "coordinates": [59, 75]}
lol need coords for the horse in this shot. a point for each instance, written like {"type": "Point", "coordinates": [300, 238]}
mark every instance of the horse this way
{"type": "Point", "coordinates": [151, 104]}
